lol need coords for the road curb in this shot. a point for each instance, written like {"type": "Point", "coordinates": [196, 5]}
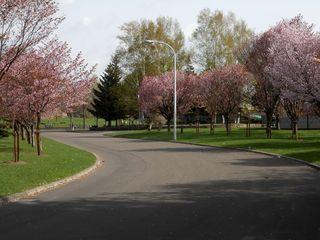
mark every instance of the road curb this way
{"type": "Point", "coordinates": [51, 186]}
{"type": "Point", "coordinates": [315, 166]}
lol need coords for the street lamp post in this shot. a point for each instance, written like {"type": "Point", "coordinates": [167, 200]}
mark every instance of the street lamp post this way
{"type": "Point", "coordinates": [175, 84]}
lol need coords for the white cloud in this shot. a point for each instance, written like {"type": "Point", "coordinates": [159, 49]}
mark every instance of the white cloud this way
{"type": "Point", "coordinates": [86, 21]}
{"type": "Point", "coordinates": [67, 2]}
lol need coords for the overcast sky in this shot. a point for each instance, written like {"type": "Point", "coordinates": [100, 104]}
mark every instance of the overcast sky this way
{"type": "Point", "coordinates": [92, 26]}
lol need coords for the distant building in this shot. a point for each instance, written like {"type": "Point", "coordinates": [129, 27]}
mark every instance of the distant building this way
{"type": "Point", "coordinates": [309, 122]}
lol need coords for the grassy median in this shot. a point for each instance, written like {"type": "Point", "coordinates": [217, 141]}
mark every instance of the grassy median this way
{"type": "Point", "coordinates": [58, 161]}
{"type": "Point", "coordinates": [306, 148]}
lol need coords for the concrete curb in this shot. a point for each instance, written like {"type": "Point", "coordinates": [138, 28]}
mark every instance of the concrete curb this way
{"type": "Point", "coordinates": [315, 166]}
{"type": "Point", "coordinates": [51, 186]}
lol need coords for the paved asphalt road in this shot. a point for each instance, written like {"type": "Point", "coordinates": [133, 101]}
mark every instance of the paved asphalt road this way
{"type": "Point", "coordinates": [155, 190]}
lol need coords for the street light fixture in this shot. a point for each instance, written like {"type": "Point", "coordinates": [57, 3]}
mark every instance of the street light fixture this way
{"type": "Point", "coordinates": [175, 83]}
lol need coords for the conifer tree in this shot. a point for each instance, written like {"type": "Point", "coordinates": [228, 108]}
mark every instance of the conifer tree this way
{"type": "Point", "coordinates": [107, 101]}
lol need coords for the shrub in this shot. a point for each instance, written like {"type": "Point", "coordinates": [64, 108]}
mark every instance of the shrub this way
{"type": "Point", "coordinates": [4, 132]}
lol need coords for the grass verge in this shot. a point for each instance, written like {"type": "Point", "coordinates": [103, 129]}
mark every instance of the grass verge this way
{"type": "Point", "coordinates": [57, 162]}
{"type": "Point", "coordinates": [307, 148]}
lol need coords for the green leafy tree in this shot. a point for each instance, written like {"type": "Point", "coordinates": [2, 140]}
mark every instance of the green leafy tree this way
{"type": "Point", "coordinates": [107, 100]}
{"type": "Point", "coordinates": [129, 91]}
{"type": "Point", "coordinates": [217, 39]}
{"type": "Point", "coordinates": [144, 59]}
{"type": "Point", "coordinates": [140, 59]}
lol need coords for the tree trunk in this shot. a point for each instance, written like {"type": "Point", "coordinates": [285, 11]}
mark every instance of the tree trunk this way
{"type": "Point", "coordinates": [28, 135]}
{"type": "Point", "coordinates": [269, 125]}
{"type": "Point", "coordinates": [197, 127]}
{"type": "Point", "coordinates": [168, 125]}
{"type": "Point", "coordinates": [22, 133]}
{"type": "Point", "coordinates": [294, 130]}
{"type": "Point", "coordinates": [18, 142]}
{"type": "Point", "coordinates": [15, 146]}
{"type": "Point", "coordinates": [150, 126]}
{"type": "Point", "coordinates": [32, 135]}
{"type": "Point", "coordinates": [278, 127]}
{"type": "Point", "coordinates": [15, 143]}
{"type": "Point", "coordinates": [213, 119]}
{"type": "Point", "coordinates": [71, 122]}
{"type": "Point", "coordinates": [38, 138]}
{"type": "Point", "coordinates": [197, 121]}
{"type": "Point", "coordinates": [227, 124]}
{"type": "Point", "coordinates": [109, 123]}
{"type": "Point", "coordinates": [84, 117]}
{"type": "Point", "coordinates": [248, 130]}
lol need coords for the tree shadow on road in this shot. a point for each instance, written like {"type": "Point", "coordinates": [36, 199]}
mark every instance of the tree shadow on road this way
{"type": "Point", "coordinates": [286, 208]}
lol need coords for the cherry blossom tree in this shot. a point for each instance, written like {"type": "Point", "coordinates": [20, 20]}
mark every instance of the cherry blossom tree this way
{"type": "Point", "coordinates": [294, 71]}
{"type": "Point", "coordinates": [43, 82]}
{"type": "Point", "coordinates": [156, 95]}
{"type": "Point", "coordinates": [256, 58]}
{"type": "Point", "coordinates": [210, 94]}
{"type": "Point", "coordinates": [81, 81]}
{"type": "Point", "coordinates": [24, 24]}
{"type": "Point", "coordinates": [229, 84]}
{"type": "Point", "coordinates": [196, 96]}
{"type": "Point", "coordinates": [15, 109]}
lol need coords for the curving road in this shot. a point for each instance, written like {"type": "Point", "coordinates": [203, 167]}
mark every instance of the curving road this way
{"type": "Point", "coordinates": [162, 191]}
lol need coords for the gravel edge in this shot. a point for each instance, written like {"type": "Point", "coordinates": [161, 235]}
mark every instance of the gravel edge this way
{"type": "Point", "coordinates": [51, 186]}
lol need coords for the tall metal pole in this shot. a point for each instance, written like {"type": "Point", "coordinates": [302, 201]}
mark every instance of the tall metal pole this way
{"type": "Point", "coordinates": [175, 98]}
{"type": "Point", "coordinates": [175, 85]}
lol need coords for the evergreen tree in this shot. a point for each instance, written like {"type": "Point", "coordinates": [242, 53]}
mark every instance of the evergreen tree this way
{"type": "Point", "coordinates": [107, 99]}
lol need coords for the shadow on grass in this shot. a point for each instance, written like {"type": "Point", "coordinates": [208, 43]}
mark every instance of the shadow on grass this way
{"type": "Point", "coordinates": [285, 208]}
{"type": "Point", "coordinates": [310, 156]}
{"type": "Point", "coordinates": [5, 150]}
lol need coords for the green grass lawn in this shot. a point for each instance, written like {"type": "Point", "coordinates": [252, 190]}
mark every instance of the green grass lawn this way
{"type": "Point", "coordinates": [64, 122]}
{"type": "Point", "coordinates": [57, 162]}
{"type": "Point", "coordinates": [307, 148]}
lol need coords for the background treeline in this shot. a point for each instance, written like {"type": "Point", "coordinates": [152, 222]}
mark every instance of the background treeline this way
{"type": "Point", "coordinates": [216, 41]}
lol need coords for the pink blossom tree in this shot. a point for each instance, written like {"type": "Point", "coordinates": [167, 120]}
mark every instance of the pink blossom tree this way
{"type": "Point", "coordinates": [23, 25]}
{"type": "Point", "coordinates": [15, 109]}
{"type": "Point", "coordinates": [266, 96]}
{"type": "Point", "coordinates": [210, 94]}
{"type": "Point", "coordinates": [196, 96]}
{"type": "Point", "coordinates": [45, 81]}
{"type": "Point", "coordinates": [156, 95]}
{"type": "Point", "coordinates": [229, 84]}
{"type": "Point", "coordinates": [294, 71]}
{"type": "Point", "coordinates": [81, 81]}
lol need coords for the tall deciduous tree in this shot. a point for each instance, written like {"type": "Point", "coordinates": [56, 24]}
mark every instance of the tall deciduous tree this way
{"type": "Point", "coordinates": [24, 24]}
{"type": "Point", "coordinates": [196, 97]}
{"type": "Point", "coordinates": [256, 59]}
{"type": "Point", "coordinates": [210, 93]}
{"type": "Point", "coordinates": [140, 59]}
{"type": "Point", "coordinates": [294, 69]}
{"type": "Point", "coordinates": [229, 83]}
{"type": "Point", "coordinates": [151, 59]}
{"type": "Point", "coordinates": [217, 37]}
